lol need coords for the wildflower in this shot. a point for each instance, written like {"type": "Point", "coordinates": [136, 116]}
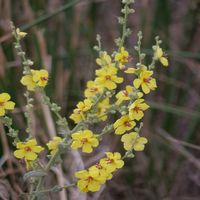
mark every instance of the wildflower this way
{"type": "Point", "coordinates": [53, 144]}
{"type": "Point", "coordinates": [89, 180]}
{"type": "Point", "coordinates": [133, 141]}
{"type": "Point", "coordinates": [102, 106]}
{"type": "Point", "coordinates": [20, 34]}
{"type": "Point", "coordinates": [82, 107]}
{"type": "Point", "coordinates": [124, 95]}
{"type": "Point", "coordinates": [40, 77]}
{"type": "Point", "coordinates": [92, 89]}
{"type": "Point", "coordinates": [122, 56]}
{"type": "Point", "coordinates": [37, 78]}
{"type": "Point", "coordinates": [112, 162]}
{"type": "Point", "coordinates": [104, 60]}
{"type": "Point", "coordinates": [27, 81]}
{"type": "Point", "coordinates": [85, 140]}
{"type": "Point", "coordinates": [145, 81]}
{"type": "Point", "coordinates": [136, 109]}
{"type": "Point", "coordinates": [5, 104]}
{"type": "Point", "coordinates": [107, 77]}
{"type": "Point", "coordinates": [123, 124]}
{"type": "Point", "coordinates": [159, 55]}
{"type": "Point", "coordinates": [28, 150]}
{"type": "Point", "coordinates": [102, 171]}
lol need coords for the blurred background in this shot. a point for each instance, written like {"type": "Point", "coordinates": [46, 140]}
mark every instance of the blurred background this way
{"type": "Point", "coordinates": [61, 36]}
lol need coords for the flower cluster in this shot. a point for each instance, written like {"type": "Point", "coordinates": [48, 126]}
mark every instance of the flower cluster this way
{"type": "Point", "coordinates": [96, 175]}
{"type": "Point", "coordinates": [102, 97]}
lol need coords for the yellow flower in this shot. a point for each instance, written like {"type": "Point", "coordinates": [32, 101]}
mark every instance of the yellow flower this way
{"type": "Point", "coordinates": [28, 150]}
{"type": "Point", "coordinates": [101, 109]}
{"type": "Point", "coordinates": [145, 81]}
{"type": "Point", "coordinates": [101, 171]}
{"type": "Point", "coordinates": [89, 180]}
{"type": "Point", "coordinates": [5, 104]}
{"type": "Point", "coordinates": [53, 144]}
{"type": "Point", "coordinates": [133, 141]}
{"type": "Point", "coordinates": [123, 124]}
{"type": "Point", "coordinates": [78, 113]}
{"type": "Point", "coordinates": [20, 34]}
{"type": "Point", "coordinates": [112, 162]}
{"type": "Point", "coordinates": [77, 116]}
{"type": "Point", "coordinates": [124, 94]}
{"type": "Point", "coordinates": [107, 77]}
{"type": "Point", "coordinates": [136, 109]}
{"type": "Point", "coordinates": [40, 77]}
{"type": "Point", "coordinates": [85, 140]}
{"type": "Point", "coordinates": [84, 105]}
{"type": "Point", "coordinates": [92, 89]}
{"type": "Point", "coordinates": [159, 55]}
{"type": "Point", "coordinates": [122, 56]}
{"type": "Point", "coordinates": [27, 81]}
{"type": "Point", "coordinates": [37, 78]}
{"type": "Point", "coordinates": [104, 60]}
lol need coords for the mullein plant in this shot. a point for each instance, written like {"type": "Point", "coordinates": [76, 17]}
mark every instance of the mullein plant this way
{"type": "Point", "coordinates": [128, 103]}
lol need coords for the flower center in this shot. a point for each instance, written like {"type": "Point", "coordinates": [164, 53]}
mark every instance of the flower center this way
{"type": "Point", "coordinates": [124, 59]}
{"type": "Point", "coordinates": [27, 149]}
{"type": "Point", "coordinates": [108, 77]}
{"type": "Point", "coordinates": [109, 161]}
{"type": "Point", "coordinates": [93, 89]}
{"type": "Point", "coordinates": [98, 166]}
{"type": "Point", "coordinates": [44, 78]}
{"type": "Point", "coordinates": [84, 140]}
{"type": "Point", "coordinates": [127, 123]}
{"type": "Point", "coordinates": [125, 93]}
{"type": "Point", "coordinates": [2, 103]}
{"type": "Point", "coordinates": [137, 109]}
{"type": "Point", "coordinates": [89, 179]}
{"type": "Point", "coordinates": [146, 80]}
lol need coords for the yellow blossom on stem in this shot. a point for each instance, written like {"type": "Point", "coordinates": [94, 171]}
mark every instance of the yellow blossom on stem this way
{"type": "Point", "coordinates": [122, 56]}
{"type": "Point", "coordinates": [20, 34]}
{"type": "Point", "coordinates": [84, 139]}
{"type": "Point", "coordinates": [133, 141]}
{"type": "Point", "coordinates": [28, 150]}
{"type": "Point", "coordinates": [104, 59]}
{"type": "Point", "coordinates": [159, 55]}
{"type": "Point", "coordinates": [77, 116]}
{"type": "Point", "coordinates": [37, 78]}
{"type": "Point", "coordinates": [107, 77]}
{"type": "Point", "coordinates": [124, 94]}
{"type": "Point", "coordinates": [89, 180]}
{"type": "Point", "coordinates": [145, 81]}
{"type": "Point", "coordinates": [102, 106]}
{"type": "Point", "coordinates": [5, 104]}
{"type": "Point", "coordinates": [101, 171]}
{"type": "Point", "coordinates": [40, 77]}
{"type": "Point", "coordinates": [27, 81]}
{"type": "Point", "coordinates": [123, 124]}
{"type": "Point", "coordinates": [92, 89]}
{"type": "Point", "coordinates": [137, 108]}
{"type": "Point", "coordinates": [112, 162]}
{"type": "Point", "coordinates": [53, 144]}
{"type": "Point", "coordinates": [78, 113]}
